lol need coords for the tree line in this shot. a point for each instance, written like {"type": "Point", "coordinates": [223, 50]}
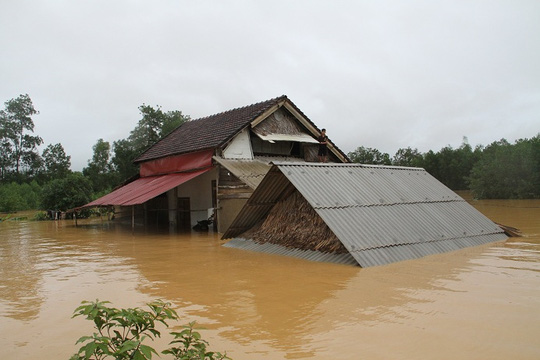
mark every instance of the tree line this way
{"type": "Point", "coordinates": [500, 170]}
{"type": "Point", "coordinates": [31, 180]}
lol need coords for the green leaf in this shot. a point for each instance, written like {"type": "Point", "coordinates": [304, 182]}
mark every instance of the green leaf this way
{"type": "Point", "coordinates": [89, 349]}
{"type": "Point", "coordinates": [128, 345]}
{"type": "Point", "coordinates": [147, 351]}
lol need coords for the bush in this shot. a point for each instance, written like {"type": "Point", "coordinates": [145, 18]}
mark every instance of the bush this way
{"type": "Point", "coordinates": [68, 193]}
{"type": "Point", "coordinates": [121, 333]}
{"type": "Point", "coordinates": [18, 197]}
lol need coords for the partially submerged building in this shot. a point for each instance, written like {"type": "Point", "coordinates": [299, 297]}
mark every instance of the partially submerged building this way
{"type": "Point", "coordinates": [356, 214]}
{"type": "Point", "coordinates": [210, 166]}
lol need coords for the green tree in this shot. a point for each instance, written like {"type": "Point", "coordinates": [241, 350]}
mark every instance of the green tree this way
{"type": "Point", "coordinates": [56, 163]}
{"type": "Point", "coordinates": [99, 169]}
{"type": "Point", "coordinates": [408, 157]}
{"type": "Point", "coordinates": [508, 171]}
{"type": "Point", "coordinates": [154, 124]}
{"type": "Point", "coordinates": [19, 147]}
{"type": "Point", "coordinates": [18, 197]}
{"type": "Point", "coordinates": [122, 161]}
{"type": "Point", "coordinates": [70, 192]}
{"type": "Point", "coordinates": [365, 155]}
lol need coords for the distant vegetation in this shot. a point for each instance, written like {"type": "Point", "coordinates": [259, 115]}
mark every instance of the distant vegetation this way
{"type": "Point", "coordinates": [30, 180]}
{"type": "Point", "coordinates": [498, 171]}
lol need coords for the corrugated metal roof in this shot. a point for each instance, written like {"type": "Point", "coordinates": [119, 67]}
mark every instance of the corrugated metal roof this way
{"type": "Point", "coordinates": [247, 244]}
{"type": "Point", "coordinates": [381, 214]}
{"type": "Point", "coordinates": [144, 189]}
{"type": "Point", "coordinates": [251, 172]}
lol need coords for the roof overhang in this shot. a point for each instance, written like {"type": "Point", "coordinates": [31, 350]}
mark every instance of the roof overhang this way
{"type": "Point", "coordinates": [144, 189]}
{"type": "Point", "coordinates": [251, 172]}
{"type": "Point", "coordinates": [304, 138]}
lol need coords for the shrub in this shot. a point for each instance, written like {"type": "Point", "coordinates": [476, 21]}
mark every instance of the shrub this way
{"type": "Point", "coordinates": [121, 333]}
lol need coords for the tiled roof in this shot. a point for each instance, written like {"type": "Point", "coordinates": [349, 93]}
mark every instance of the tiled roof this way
{"type": "Point", "coordinates": [208, 132]}
{"type": "Point", "coordinates": [214, 131]}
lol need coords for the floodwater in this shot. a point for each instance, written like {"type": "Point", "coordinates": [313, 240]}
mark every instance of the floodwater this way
{"type": "Point", "coordinates": [476, 303]}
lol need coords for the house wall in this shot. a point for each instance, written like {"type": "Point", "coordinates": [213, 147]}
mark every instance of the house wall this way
{"type": "Point", "coordinates": [239, 147]}
{"type": "Point", "coordinates": [228, 209]}
{"type": "Point", "coordinates": [199, 191]}
{"type": "Point", "coordinates": [232, 194]}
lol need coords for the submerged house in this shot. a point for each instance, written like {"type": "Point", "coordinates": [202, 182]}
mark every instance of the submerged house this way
{"type": "Point", "coordinates": [209, 167]}
{"type": "Point", "coordinates": [356, 214]}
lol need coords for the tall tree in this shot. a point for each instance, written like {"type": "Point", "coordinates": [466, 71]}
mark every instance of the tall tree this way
{"type": "Point", "coordinates": [154, 124]}
{"type": "Point", "coordinates": [19, 148]}
{"type": "Point", "coordinates": [56, 163]}
{"type": "Point", "coordinates": [365, 155]}
{"type": "Point", "coordinates": [99, 168]}
{"type": "Point", "coordinates": [122, 161]}
{"type": "Point", "coordinates": [508, 171]}
{"type": "Point", "coordinates": [408, 157]}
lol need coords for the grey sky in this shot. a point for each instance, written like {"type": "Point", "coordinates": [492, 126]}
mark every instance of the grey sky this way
{"type": "Point", "coordinates": [381, 74]}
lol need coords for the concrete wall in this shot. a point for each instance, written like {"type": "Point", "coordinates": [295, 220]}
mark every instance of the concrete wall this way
{"type": "Point", "coordinates": [228, 209]}
{"type": "Point", "coordinates": [199, 191]}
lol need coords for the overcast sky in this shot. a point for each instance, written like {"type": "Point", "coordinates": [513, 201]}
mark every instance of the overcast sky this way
{"type": "Point", "coordinates": [380, 74]}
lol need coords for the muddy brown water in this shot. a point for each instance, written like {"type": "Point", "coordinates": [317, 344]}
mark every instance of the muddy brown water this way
{"type": "Point", "coordinates": [476, 303]}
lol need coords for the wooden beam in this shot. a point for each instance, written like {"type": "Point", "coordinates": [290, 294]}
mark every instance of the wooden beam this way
{"type": "Point", "coordinates": [267, 113]}
{"type": "Point", "coordinates": [313, 130]}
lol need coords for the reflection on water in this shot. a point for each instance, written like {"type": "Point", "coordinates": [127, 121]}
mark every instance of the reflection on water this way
{"type": "Point", "coordinates": [475, 303]}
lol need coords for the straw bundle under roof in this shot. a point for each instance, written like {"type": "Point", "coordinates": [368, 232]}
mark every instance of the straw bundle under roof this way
{"type": "Point", "coordinates": [293, 223]}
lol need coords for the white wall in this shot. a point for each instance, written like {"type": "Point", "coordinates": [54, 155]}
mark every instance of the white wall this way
{"type": "Point", "coordinates": [239, 147]}
{"type": "Point", "coordinates": [199, 191]}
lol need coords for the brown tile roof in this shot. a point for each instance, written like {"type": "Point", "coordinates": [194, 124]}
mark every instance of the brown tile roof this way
{"type": "Point", "coordinates": [211, 131]}
{"type": "Point", "coordinates": [208, 132]}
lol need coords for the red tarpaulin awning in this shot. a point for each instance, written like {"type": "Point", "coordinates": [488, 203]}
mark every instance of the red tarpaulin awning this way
{"type": "Point", "coordinates": [144, 189]}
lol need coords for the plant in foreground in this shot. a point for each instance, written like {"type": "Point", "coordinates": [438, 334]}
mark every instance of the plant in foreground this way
{"type": "Point", "coordinates": [121, 333]}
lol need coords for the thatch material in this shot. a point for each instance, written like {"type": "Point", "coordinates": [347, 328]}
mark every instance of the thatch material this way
{"type": "Point", "coordinates": [280, 122]}
{"type": "Point", "coordinates": [293, 223]}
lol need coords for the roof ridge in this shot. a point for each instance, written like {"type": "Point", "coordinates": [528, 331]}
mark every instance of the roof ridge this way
{"type": "Point", "coordinates": [276, 99]}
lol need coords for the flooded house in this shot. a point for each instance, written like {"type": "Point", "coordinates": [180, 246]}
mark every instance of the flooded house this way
{"type": "Point", "coordinates": [365, 215]}
{"type": "Point", "coordinates": [208, 168]}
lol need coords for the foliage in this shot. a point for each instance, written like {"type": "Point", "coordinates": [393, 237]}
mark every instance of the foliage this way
{"type": "Point", "coordinates": [365, 155]}
{"type": "Point", "coordinates": [122, 161]}
{"type": "Point", "coordinates": [408, 157]}
{"type": "Point", "coordinates": [507, 171]}
{"type": "Point", "coordinates": [121, 333]}
{"type": "Point", "coordinates": [154, 124]}
{"type": "Point", "coordinates": [40, 216]}
{"type": "Point", "coordinates": [17, 197]}
{"type": "Point", "coordinates": [70, 192]}
{"type": "Point", "coordinates": [18, 147]}
{"type": "Point", "coordinates": [56, 163]}
{"type": "Point", "coordinates": [99, 169]}
{"type": "Point", "coordinates": [193, 347]}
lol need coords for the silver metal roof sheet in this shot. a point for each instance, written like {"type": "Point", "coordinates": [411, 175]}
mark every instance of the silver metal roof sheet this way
{"type": "Point", "coordinates": [247, 244]}
{"type": "Point", "coordinates": [251, 172]}
{"type": "Point", "coordinates": [381, 214]}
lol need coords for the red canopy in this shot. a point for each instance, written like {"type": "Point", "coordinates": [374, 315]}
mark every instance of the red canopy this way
{"type": "Point", "coordinates": [144, 189]}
